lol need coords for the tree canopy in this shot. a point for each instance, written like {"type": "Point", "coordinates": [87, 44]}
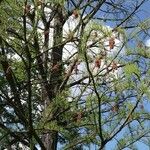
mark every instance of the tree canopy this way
{"type": "Point", "coordinates": [74, 74]}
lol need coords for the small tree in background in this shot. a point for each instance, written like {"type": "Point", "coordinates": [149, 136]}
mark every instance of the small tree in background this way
{"type": "Point", "coordinates": [69, 81]}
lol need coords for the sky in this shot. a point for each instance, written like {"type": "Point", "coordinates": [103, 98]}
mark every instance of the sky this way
{"type": "Point", "coordinates": [145, 14]}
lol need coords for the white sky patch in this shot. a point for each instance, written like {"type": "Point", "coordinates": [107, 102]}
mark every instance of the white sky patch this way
{"type": "Point", "coordinates": [147, 43]}
{"type": "Point", "coordinates": [94, 51]}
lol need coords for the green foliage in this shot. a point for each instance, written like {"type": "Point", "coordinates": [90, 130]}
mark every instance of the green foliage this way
{"type": "Point", "coordinates": [32, 100]}
{"type": "Point", "coordinates": [60, 2]}
{"type": "Point", "coordinates": [18, 68]}
{"type": "Point", "coordinates": [131, 69]}
{"type": "Point", "coordinates": [93, 26]}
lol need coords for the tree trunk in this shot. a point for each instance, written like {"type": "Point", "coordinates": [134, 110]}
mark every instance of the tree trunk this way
{"type": "Point", "coordinates": [50, 138]}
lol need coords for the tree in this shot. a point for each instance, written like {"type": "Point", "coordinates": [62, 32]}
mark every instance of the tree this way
{"type": "Point", "coordinates": [68, 78]}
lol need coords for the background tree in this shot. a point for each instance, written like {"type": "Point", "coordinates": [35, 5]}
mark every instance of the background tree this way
{"type": "Point", "coordinates": [68, 79]}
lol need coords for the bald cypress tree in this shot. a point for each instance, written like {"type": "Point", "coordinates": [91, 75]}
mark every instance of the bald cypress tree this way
{"type": "Point", "coordinates": [73, 74]}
